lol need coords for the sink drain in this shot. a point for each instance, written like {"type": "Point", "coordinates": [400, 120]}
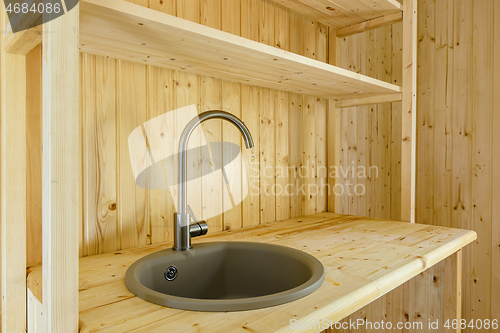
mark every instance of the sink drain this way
{"type": "Point", "coordinates": [170, 273]}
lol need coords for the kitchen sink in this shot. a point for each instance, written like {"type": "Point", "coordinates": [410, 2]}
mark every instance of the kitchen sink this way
{"type": "Point", "coordinates": [225, 276]}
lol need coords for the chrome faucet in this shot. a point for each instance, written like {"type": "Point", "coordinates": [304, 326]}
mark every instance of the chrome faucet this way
{"type": "Point", "coordinates": [183, 229]}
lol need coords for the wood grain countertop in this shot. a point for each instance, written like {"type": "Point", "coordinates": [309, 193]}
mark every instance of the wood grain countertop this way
{"type": "Point", "coordinates": [364, 258]}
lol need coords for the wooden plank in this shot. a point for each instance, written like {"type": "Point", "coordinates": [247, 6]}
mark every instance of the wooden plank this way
{"type": "Point", "coordinates": [132, 201]}
{"type": "Point", "coordinates": [320, 109]}
{"type": "Point", "coordinates": [495, 242]}
{"type": "Point", "coordinates": [394, 252]}
{"type": "Point", "coordinates": [333, 129]}
{"type": "Point", "coordinates": [101, 232]}
{"type": "Point", "coordinates": [13, 187]}
{"type": "Point", "coordinates": [35, 318]}
{"type": "Point", "coordinates": [267, 157]}
{"type": "Point", "coordinates": [462, 132]}
{"type": "Point", "coordinates": [482, 131]}
{"type": "Point", "coordinates": [453, 289]}
{"type": "Point", "coordinates": [232, 191]}
{"type": "Point", "coordinates": [368, 100]}
{"type": "Point", "coordinates": [225, 56]}
{"type": "Point", "coordinates": [282, 41]}
{"type": "Point", "coordinates": [231, 102]}
{"type": "Point", "coordinates": [250, 114]}
{"type": "Point", "coordinates": [396, 114]}
{"type": "Point", "coordinates": [23, 42]}
{"type": "Point", "coordinates": [309, 192]}
{"type": "Point", "coordinates": [342, 13]}
{"type": "Point", "coordinates": [34, 156]}
{"type": "Point", "coordinates": [370, 24]}
{"type": "Point", "coordinates": [61, 164]}
{"type": "Point", "coordinates": [409, 120]}
{"type": "Point", "coordinates": [163, 88]}
{"type": "Point", "coordinates": [295, 143]}
{"type": "Point", "coordinates": [282, 156]}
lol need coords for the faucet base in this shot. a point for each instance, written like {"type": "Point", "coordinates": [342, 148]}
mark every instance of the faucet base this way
{"type": "Point", "coordinates": [182, 238]}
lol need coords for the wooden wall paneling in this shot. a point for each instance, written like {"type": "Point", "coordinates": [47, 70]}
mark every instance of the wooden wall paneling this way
{"type": "Point", "coordinates": [282, 156]}
{"type": "Point", "coordinates": [267, 156]}
{"type": "Point", "coordinates": [212, 184]}
{"type": "Point", "coordinates": [188, 9]}
{"type": "Point", "coordinates": [164, 6]}
{"type": "Point", "coordinates": [231, 102]}
{"type": "Point", "coordinates": [333, 129]}
{"type": "Point", "coordinates": [295, 121]}
{"type": "Point", "coordinates": [34, 156]}
{"type": "Point", "coordinates": [396, 114]}
{"type": "Point", "coordinates": [101, 231]}
{"type": "Point", "coordinates": [232, 192]}
{"type": "Point", "coordinates": [443, 99]}
{"type": "Point", "coordinates": [187, 92]}
{"type": "Point", "coordinates": [250, 101]}
{"type": "Point", "coordinates": [13, 187]}
{"type": "Point", "coordinates": [162, 90]}
{"type": "Point", "coordinates": [383, 42]}
{"type": "Point", "coordinates": [250, 113]}
{"type": "Point", "coordinates": [320, 108]}
{"type": "Point", "coordinates": [132, 204]}
{"type": "Point", "coordinates": [295, 143]}
{"type": "Point", "coordinates": [309, 202]}
{"type": "Point", "coordinates": [482, 157]}
{"type": "Point", "coordinates": [409, 119]}
{"type": "Point", "coordinates": [267, 123]}
{"type": "Point", "coordinates": [282, 41]}
{"type": "Point", "coordinates": [210, 99]}
{"type": "Point", "coordinates": [495, 216]}
{"type": "Point", "coordinates": [61, 165]}
{"type": "Point", "coordinates": [425, 116]}
{"type": "Point", "coordinates": [462, 132]}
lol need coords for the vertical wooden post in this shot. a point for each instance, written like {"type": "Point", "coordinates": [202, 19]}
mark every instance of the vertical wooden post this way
{"type": "Point", "coordinates": [333, 126]}
{"type": "Point", "coordinates": [409, 118]}
{"type": "Point", "coordinates": [453, 289]}
{"type": "Point", "coordinates": [13, 187]}
{"type": "Point", "coordinates": [60, 184]}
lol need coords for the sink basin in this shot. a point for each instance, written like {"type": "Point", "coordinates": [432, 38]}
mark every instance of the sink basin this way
{"type": "Point", "coordinates": [225, 276]}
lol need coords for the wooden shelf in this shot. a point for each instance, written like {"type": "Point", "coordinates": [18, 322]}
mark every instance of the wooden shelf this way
{"type": "Point", "coordinates": [126, 31]}
{"type": "Point", "coordinates": [343, 13]}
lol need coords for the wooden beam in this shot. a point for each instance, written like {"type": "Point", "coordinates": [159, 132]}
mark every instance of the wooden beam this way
{"type": "Point", "coordinates": [60, 184]}
{"type": "Point", "coordinates": [409, 119]}
{"type": "Point", "coordinates": [370, 24]}
{"type": "Point", "coordinates": [24, 41]}
{"type": "Point", "coordinates": [13, 187]}
{"type": "Point", "coordinates": [347, 103]}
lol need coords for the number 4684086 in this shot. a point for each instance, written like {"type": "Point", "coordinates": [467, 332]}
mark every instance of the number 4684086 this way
{"type": "Point", "coordinates": [34, 8]}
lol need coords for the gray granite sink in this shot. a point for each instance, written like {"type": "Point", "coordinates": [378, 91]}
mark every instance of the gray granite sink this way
{"type": "Point", "coordinates": [225, 276]}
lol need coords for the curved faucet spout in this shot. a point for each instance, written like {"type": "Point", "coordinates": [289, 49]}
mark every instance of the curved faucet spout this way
{"type": "Point", "coordinates": [182, 239]}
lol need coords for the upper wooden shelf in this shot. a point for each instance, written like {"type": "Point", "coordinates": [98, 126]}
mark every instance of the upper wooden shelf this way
{"type": "Point", "coordinates": [343, 13]}
{"type": "Point", "coordinates": [126, 31]}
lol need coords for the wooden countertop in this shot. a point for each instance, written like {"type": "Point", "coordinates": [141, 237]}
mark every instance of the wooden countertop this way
{"type": "Point", "coordinates": [364, 258]}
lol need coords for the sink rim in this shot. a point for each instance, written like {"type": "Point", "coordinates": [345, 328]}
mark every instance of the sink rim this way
{"type": "Point", "coordinates": [236, 304]}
